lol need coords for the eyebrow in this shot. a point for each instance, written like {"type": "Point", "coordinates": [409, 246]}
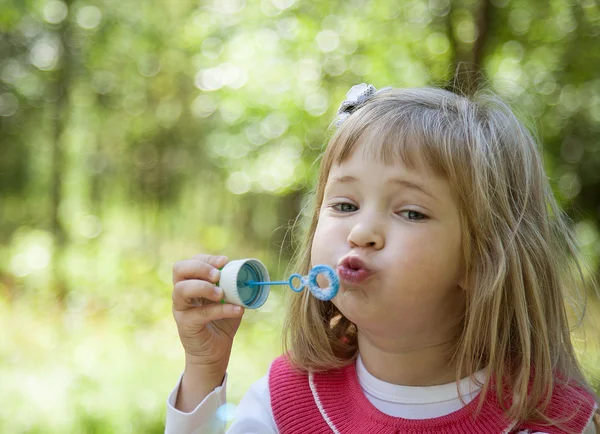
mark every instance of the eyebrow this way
{"type": "Point", "coordinates": [398, 181]}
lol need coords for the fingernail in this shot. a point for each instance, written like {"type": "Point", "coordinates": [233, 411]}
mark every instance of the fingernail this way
{"type": "Point", "coordinates": [214, 273]}
{"type": "Point", "coordinates": [218, 291]}
{"type": "Point", "coordinates": [237, 309]}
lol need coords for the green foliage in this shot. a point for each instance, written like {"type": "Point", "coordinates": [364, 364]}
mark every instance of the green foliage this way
{"type": "Point", "coordinates": [135, 134]}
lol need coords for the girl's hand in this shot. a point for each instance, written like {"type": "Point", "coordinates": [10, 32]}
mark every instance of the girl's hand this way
{"type": "Point", "coordinates": [206, 327]}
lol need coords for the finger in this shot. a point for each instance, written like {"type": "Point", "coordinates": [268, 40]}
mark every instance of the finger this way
{"type": "Point", "coordinates": [187, 292]}
{"type": "Point", "coordinates": [202, 315]}
{"type": "Point", "coordinates": [195, 269]}
{"type": "Point", "coordinates": [215, 261]}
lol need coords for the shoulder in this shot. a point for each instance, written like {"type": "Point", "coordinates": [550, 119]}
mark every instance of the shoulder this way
{"type": "Point", "coordinates": [284, 377]}
{"type": "Point", "coordinates": [292, 400]}
{"type": "Point", "coordinates": [572, 404]}
{"type": "Point", "coordinates": [283, 371]}
{"type": "Point", "coordinates": [282, 362]}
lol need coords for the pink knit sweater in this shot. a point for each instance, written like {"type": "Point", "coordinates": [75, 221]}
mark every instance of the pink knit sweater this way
{"type": "Point", "coordinates": [320, 403]}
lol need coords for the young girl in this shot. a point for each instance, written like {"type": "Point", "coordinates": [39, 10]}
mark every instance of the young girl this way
{"type": "Point", "coordinates": [454, 261]}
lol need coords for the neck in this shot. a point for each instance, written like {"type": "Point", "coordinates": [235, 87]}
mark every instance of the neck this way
{"type": "Point", "coordinates": [393, 361]}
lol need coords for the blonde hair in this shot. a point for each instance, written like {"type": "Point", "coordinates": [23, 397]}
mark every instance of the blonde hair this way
{"type": "Point", "coordinates": [520, 253]}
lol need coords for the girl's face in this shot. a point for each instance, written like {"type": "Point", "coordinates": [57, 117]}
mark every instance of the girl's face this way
{"type": "Point", "coordinates": [394, 237]}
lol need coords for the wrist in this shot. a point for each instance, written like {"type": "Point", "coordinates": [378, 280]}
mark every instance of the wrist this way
{"type": "Point", "coordinates": [196, 384]}
{"type": "Point", "coordinates": [204, 374]}
{"type": "Point", "coordinates": [199, 364]}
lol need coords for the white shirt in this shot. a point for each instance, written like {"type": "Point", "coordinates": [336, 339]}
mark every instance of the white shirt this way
{"type": "Point", "coordinates": [254, 415]}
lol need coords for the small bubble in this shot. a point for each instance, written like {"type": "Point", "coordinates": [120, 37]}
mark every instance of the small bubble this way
{"type": "Point", "coordinates": [55, 12]}
{"type": "Point", "coordinates": [9, 104]}
{"type": "Point", "coordinates": [149, 65]}
{"type": "Point", "coordinates": [226, 412]}
{"type": "Point", "coordinates": [89, 17]}
{"type": "Point", "coordinates": [327, 40]}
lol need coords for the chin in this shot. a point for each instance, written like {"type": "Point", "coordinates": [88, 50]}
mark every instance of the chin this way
{"type": "Point", "coordinates": [350, 302]}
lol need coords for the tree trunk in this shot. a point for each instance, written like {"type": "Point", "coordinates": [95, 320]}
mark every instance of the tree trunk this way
{"type": "Point", "coordinates": [59, 111]}
{"type": "Point", "coordinates": [468, 62]}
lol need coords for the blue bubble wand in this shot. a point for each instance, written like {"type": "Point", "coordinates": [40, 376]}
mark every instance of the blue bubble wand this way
{"type": "Point", "coordinates": [323, 294]}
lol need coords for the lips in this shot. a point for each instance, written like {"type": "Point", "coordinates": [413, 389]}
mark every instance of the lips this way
{"type": "Point", "coordinates": [352, 269]}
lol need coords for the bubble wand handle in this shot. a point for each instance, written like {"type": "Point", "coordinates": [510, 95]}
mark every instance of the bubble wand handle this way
{"type": "Point", "coordinates": [282, 282]}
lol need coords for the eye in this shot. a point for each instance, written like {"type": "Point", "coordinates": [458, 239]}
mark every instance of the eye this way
{"type": "Point", "coordinates": [414, 215]}
{"type": "Point", "coordinates": [344, 207]}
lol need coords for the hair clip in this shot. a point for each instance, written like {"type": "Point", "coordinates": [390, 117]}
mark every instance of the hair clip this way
{"type": "Point", "coordinates": [246, 282]}
{"type": "Point", "coordinates": [357, 95]}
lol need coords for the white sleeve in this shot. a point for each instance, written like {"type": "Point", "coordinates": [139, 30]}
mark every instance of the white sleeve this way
{"type": "Point", "coordinates": [252, 416]}
{"type": "Point", "coordinates": [203, 419]}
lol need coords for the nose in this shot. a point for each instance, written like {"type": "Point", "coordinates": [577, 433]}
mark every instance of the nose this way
{"type": "Point", "coordinates": [367, 233]}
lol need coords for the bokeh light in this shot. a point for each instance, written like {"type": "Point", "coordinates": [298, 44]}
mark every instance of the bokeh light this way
{"type": "Point", "coordinates": [134, 135]}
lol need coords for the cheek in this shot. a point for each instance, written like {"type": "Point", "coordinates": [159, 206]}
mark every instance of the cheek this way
{"type": "Point", "coordinates": [329, 244]}
{"type": "Point", "coordinates": [319, 243]}
{"type": "Point", "coordinates": [327, 233]}
{"type": "Point", "coordinates": [416, 249]}
{"type": "Point", "coordinates": [427, 257]}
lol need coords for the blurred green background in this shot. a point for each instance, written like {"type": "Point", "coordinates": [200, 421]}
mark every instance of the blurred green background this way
{"type": "Point", "coordinates": [135, 134]}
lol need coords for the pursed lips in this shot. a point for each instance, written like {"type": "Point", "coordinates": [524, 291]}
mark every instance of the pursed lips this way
{"type": "Point", "coordinates": [352, 269]}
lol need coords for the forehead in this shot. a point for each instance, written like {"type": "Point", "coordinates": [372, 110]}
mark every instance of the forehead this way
{"type": "Point", "coordinates": [364, 166]}
{"type": "Point", "coordinates": [392, 137]}
{"type": "Point", "coordinates": [364, 159]}
{"type": "Point", "coordinates": [375, 154]}
{"type": "Point", "coordinates": [387, 140]}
